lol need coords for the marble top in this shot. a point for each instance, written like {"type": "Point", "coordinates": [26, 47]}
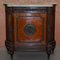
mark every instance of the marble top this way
{"type": "Point", "coordinates": [41, 5]}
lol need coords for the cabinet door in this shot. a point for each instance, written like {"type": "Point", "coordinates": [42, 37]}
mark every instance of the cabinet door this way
{"type": "Point", "coordinates": [29, 27]}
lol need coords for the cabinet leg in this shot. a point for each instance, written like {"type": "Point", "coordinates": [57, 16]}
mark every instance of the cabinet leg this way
{"type": "Point", "coordinates": [11, 56]}
{"type": "Point", "coordinates": [48, 56]}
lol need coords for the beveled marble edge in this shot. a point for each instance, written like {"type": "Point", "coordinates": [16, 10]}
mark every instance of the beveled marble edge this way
{"type": "Point", "coordinates": [35, 5]}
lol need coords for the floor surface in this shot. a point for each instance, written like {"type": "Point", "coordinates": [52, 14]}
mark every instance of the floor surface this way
{"type": "Point", "coordinates": [29, 56]}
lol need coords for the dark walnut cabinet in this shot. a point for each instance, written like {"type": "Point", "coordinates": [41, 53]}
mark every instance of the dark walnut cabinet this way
{"type": "Point", "coordinates": [30, 28]}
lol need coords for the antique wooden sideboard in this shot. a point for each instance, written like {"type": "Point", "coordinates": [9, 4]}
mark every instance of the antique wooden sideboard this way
{"type": "Point", "coordinates": [30, 28]}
